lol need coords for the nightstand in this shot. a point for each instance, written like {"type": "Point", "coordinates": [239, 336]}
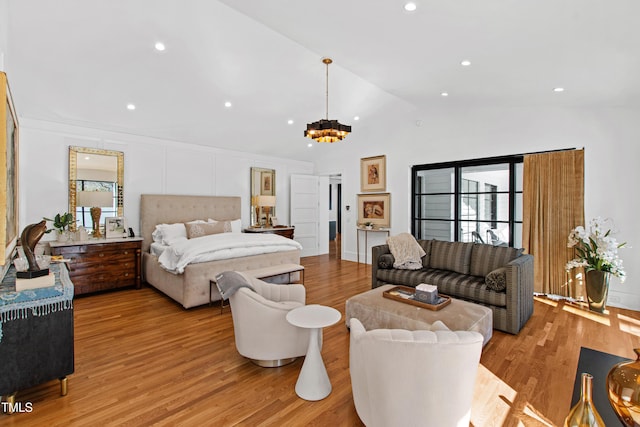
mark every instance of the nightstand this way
{"type": "Point", "coordinates": [101, 264]}
{"type": "Point", "coordinates": [283, 231]}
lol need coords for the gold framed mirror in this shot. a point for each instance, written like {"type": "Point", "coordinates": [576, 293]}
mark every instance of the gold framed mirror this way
{"type": "Point", "coordinates": [263, 196]}
{"type": "Point", "coordinates": [95, 170]}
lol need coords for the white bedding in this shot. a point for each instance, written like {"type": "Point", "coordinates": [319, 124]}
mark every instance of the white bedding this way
{"type": "Point", "coordinates": [156, 248]}
{"type": "Point", "coordinates": [222, 246]}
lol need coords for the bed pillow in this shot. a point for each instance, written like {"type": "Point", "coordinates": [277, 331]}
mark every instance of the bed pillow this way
{"type": "Point", "coordinates": [199, 229]}
{"type": "Point", "coordinates": [236, 225]}
{"type": "Point", "coordinates": [167, 234]}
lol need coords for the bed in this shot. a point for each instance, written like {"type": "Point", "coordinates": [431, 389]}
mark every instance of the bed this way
{"type": "Point", "coordinates": [193, 287]}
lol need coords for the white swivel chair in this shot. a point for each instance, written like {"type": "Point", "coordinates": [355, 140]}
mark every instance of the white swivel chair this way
{"type": "Point", "coordinates": [413, 378]}
{"type": "Point", "coordinates": [262, 332]}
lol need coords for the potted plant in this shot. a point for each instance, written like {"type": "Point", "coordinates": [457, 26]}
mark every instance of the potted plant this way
{"type": "Point", "coordinates": [62, 223]}
{"type": "Point", "coordinates": [597, 252]}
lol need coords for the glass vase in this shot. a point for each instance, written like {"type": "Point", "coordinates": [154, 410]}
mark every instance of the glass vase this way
{"type": "Point", "coordinates": [624, 390]}
{"type": "Point", "coordinates": [584, 413]}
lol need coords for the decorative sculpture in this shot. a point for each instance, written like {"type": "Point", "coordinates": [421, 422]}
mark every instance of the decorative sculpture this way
{"type": "Point", "coordinates": [30, 237]}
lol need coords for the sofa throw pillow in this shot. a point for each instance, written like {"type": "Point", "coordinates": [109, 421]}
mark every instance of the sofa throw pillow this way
{"type": "Point", "coordinates": [200, 229]}
{"type": "Point", "coordinates": [496, 280]}
{"type": "Point", "coordinates": [406, 251]}
{"type": "Point", "coordinates": [386, 261]}
{"type": "Point", "coordinates": [452, 256]}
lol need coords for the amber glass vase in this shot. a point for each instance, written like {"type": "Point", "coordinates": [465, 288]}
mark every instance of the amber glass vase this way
{"type": "Point", "coordinates": [584, 413]}
{"type": "Point", "coordinates": [624, 390]}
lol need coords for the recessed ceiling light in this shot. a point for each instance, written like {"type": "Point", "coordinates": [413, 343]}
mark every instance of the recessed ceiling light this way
{"type": "Point", "coordinates": [160, 46]}
{"type": "Point", "coordinates": [227, 104]}
{"type": "Point", "coordinates": [87, 158]}
{"type": "Point", "coordinates": [465, 63]}
{"type": "Point", "coordinates": [131, 107]}
{"type": "Point", "coordinates": [290, 121]}
{"type": "Point", "coordinates": [410, 7]}
{"type": "Point", "coordinates": [558, 89]}
{"type": "Point", "coordinates": [309, 145]}
{"type": "Point", "coordinates": [444, 94]}
{"type": "Point", "coordinates": [356, 118]}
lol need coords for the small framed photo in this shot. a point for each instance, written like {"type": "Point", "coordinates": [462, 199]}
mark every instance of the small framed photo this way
{"type": "Point", "coordinates": [373, 173]}
{"type": "Point", "coordinates": [266, 183]}
{"type": "Point", "coordinates": [375, 209]}
{"type": "Point", "coordinates": [274, 221]}
{"type": "Point", "coordinates": [114, 227]}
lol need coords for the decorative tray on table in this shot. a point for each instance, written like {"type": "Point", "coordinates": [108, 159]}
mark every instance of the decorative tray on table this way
{"type": "Point", "coordinates": [406, 295]}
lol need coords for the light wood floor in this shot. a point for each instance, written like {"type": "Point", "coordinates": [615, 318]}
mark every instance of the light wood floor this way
{"type": "Point", "coordinates": [142, 359]}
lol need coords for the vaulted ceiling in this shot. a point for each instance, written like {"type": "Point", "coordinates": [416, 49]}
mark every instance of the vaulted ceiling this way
{"type": "Point", "coordinates": [82, 62]}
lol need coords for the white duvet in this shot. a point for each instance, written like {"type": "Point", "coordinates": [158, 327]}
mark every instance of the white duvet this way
{"type": "Point", "coordinates": [222, 246]}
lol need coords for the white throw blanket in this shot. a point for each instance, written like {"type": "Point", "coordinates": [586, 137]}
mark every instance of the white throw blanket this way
{"type": "Point", "coordinates": [222, 246]}
{"type": "Point", "coordinates": [407, 252]}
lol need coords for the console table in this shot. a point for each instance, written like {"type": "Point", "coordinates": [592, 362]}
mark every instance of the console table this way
{"type": "Point", "coordinates": [36, 334]}
{"type": "Point", "coordinates": [366, 235]}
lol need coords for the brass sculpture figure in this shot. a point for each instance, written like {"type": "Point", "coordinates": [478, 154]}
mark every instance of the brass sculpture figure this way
{"type": "Point", "coordinates": [30, 237]}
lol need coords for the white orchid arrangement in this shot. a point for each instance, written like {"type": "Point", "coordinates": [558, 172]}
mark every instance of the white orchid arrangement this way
{"type": "Point", "coordinates": [596, 249]}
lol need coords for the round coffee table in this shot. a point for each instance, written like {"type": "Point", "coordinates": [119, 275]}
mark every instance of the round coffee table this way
{"type": "Point", "coordinates": [313, 382]}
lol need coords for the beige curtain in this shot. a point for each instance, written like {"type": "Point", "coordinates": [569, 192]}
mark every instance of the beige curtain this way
{"type": "Point", "coordinates": [553, 204]}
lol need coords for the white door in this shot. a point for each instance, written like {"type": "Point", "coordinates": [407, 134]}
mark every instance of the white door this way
{"type": "Point", "coordinates": [310, 213]}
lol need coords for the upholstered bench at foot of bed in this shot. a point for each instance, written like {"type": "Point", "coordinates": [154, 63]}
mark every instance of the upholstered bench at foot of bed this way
{"type": "Point", "coordinates": [281, 273]}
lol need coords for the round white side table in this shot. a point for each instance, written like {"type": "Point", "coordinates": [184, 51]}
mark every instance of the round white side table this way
{"type": "Point", "coordinates": [313, 382]}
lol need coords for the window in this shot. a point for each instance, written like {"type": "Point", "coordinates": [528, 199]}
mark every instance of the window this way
{"type": "Point", "coordinates": [469, 201]}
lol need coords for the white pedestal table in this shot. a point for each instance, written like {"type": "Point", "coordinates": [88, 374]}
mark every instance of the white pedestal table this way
{"type": "Point", "coordinates": [313, 382]}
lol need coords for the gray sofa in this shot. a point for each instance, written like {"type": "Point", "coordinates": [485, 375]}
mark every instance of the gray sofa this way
{"type": "Point", "coordinates": [498, 277]}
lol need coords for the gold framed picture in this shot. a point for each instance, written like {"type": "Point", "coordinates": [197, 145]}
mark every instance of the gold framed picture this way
{"type": "Point", "coordinates": [374, 209]}
{"type": "Point", "coordinates": [373, 173]}
{"type": "Point", "coordinates": [9, 130]}
{"type": "Point", "coordinates": [266, 184]}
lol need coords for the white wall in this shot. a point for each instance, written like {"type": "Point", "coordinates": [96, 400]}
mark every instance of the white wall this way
{"type": "Point", "coordinates": [609, 136]}
{"type": "Point", "coordinates": [151, 166]}
{"type": "Point", "coordinates": [4, 33]}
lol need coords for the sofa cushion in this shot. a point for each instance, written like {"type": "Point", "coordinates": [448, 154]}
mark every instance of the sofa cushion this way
{"type": "Point", "coordinates": [426, 246]}
{"type": "Point", "coordinates": [450, 283]}
{"type": "Point", "coordinates": [496, 280]}
{"type": "Point", "coordinates": [486, 258]}
{"type": "Point", "coordinates": [386, 261]}
{"type": "Point", "coordinates": [452, 256]}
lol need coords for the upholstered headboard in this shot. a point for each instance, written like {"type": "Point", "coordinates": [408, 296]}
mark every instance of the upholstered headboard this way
{"type": "Point", "coordinates": [168, 209]}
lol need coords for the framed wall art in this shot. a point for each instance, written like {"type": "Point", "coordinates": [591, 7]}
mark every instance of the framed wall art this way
{"type": "Point", "coordinates": [8, 174]}
{"type": "Point", "coordinates": [266, 184]}
{"type": "Point", "coordinates": [375, 209]}
{"type": "Point", "coordinates": [373, 173]}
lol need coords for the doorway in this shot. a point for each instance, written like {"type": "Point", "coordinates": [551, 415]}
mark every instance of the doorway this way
{"type": "Point", "coordinates": [335, 216]}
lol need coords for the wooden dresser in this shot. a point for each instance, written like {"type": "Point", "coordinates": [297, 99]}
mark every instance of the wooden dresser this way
{"type": "Point", "coordinates": [102, 264]}
{"type": "Point", "coordinates": [283, 231]}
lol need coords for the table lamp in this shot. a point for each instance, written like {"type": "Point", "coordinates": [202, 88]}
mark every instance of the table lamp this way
{"type": "Point", "coordinates": [95, 200]}
{"type": "Point", "coordinates": [266, 202]}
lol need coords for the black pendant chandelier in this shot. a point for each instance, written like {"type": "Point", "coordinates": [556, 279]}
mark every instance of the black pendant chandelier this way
{"type": "Point", "coordinates": [325, 130]}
